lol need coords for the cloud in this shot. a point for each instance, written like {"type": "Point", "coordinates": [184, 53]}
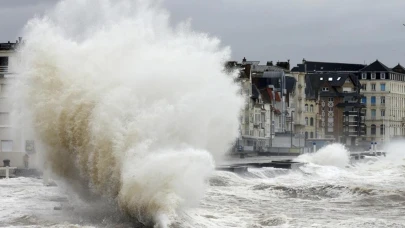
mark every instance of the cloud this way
{"type": "Point", "coordinates": [329, 30]}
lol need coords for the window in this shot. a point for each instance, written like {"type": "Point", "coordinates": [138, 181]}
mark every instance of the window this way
{"type": "Point", "coordinates": [306, 121]}
{"type": "Point", "coordinates": [257, 118]}
{"type": "Point", "coordinates": [364, 87]}
{"type": "Point", "coordinates": [364, 100]}
{"type": "Point", "coordinates": [325, 89]}
{"type": "Point", "coordinates": [306, 107]}
{"type": "Point", "coordinates": [372, 87]}
{"type": "Point", "coordinates": [373, 129]}
{"type": "Point", "coordinates": [364, 76]}
{"type": "Point", "coordinates": [382, 100]}
{"type": "Point", "coordinates": [382, 76]}
{"type": "Point", "coordinates": [311, 122]}
{"type": "Point", "coordinates": [311, 108]}
{"type": "Point", "coordinates": [382, 129]}
{"type": "Point", "coordinates": [312, 135]}
{"type": "Point", "coordinates": [373, 75]}
{"type": "Point", "coordinates": [373, 100]}
{"type": "Point", "coordinates": [373, 112]}
{"type": "Point", "coordinates": [382, 113]}
{"type": "Point", "coordinates": [6, 145]}
{"type": "Point", "coordinates": [382, 86]}
{"type": "Point", "coordinates": [306, 135]}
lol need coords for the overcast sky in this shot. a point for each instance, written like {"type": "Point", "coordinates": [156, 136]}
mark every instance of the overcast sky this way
{"type": "Point", "coordinates": [354, 31]}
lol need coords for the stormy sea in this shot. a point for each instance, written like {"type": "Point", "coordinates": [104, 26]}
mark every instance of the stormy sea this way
{"type": "Point", "coordinates": [132, 114]}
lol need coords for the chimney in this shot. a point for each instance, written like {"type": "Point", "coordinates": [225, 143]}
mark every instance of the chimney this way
{"type": "Point", "coordinates": [269, 63]}
{"type": "Point", "coordinates": [243, 60]}
{"type": "Point", "coordinates": [19, 39]}
{"type": "Point", "coordinates": [303, 61]}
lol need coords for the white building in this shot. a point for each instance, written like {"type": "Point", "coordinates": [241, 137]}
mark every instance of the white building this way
{"type": "Point", "coordinates": [262, 117]}
{"type": "Point", "coordinates": [384, 91]}
{"type": "Point", "coordinates": [13, 145]}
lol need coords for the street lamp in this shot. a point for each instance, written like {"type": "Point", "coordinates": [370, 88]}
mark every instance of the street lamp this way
{"type": "Point", "coordinates": [291, 144]}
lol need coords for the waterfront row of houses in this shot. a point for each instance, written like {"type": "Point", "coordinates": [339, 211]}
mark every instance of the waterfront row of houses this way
{"type": "Point", "coordinates": [354, 104]}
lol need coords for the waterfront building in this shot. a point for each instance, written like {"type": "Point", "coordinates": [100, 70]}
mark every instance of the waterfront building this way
{"type": "Point", "coordinates": [340, 108]}
{"type": "Point", "coordinates": [268, 108]}
{"type": "Point", "coordinates": [384, 96]}
{"type": "Point", "coordinates": [13, 145]}
{"type": "Point", "coordinates": [308, 118]}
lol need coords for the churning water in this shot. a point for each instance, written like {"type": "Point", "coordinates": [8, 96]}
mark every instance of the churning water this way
{"type": "Point", "coordinates": [367, 193]}
{"type": "Point", "coordinates": [126, 104]}
{"type": "Point", "coordinates": [136, 111]}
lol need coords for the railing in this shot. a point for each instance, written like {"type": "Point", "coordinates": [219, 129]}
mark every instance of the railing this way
{"type": "Point", "coordinates": [373, 118]}
{"type": "Point", "coordinates": [3, 69]}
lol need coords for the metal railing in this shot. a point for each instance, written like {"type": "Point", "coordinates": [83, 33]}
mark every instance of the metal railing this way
{"type": "Point", "coordinates": [3, 69]}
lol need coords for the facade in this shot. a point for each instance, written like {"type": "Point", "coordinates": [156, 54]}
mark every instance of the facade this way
{"type": "Point", "coordinates": [265, 114]}
{"type": "Point", "coordinates": [13, 145]}
{"type": "Point", "coordinates": [308, 118]}
{"type": "Point", "coordinates": [384, 96]}
{"type": "Point", "coordinates": [340, 107]}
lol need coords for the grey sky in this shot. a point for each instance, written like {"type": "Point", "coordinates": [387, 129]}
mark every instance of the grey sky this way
{"type": "Point", "coordinates": [324, 30]}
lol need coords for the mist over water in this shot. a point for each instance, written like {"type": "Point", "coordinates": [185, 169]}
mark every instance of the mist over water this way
{"type": "Point", "coordinates": [126, 104]}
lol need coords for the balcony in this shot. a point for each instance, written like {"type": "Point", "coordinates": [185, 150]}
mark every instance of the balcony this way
{"type": "Point", "coordinates": [373, 118]}
{"type": "Point", "coordinates": [4, 70]}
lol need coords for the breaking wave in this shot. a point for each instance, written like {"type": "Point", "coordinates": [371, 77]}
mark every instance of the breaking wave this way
{"type": "Point", "coordinates": [126, 104]}
{"type": "Point", "coordinates": [331, 155]}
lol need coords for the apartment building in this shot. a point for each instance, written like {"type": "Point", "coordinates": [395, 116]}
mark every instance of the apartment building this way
{"type": "Point", "coordinates": [341, 110]}
{"type": "Point", "coordinates": [384, 96]}
{"type": "Point", "coordinates": [308, 116]}
{"type": "Point", "coordinates": [13, 145]}
{"type": "Point", "coordinates": [265, 114]}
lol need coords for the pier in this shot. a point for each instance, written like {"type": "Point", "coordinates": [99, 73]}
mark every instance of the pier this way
{"type": "Point", "coordinates": [243, 167]}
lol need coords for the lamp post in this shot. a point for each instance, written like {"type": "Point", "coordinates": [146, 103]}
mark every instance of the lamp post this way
{"type": "Point", "coordinates": [291, 123]}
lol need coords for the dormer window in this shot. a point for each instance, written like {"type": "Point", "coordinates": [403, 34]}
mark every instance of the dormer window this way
{"type": "Point", "coordinates": [382, 76]}
{"type": "Point", "coordinates": [338, 78]}
{"type": "Point", "coordinates": [325, 89]}
{"type": "Point", "coordinates": [330, 79]}
{"type": "Point", "coordinates": [364, 76]}
{"type": "Point", "coordinates": [321, 78]}
{"type": "Point", "coordinates": [373, 75]}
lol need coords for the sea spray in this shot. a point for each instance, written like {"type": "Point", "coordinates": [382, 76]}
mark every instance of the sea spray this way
{"type": "Point", "coordinates": [126, 104]}
{"type": "Point", "coordinates": [331, 155]}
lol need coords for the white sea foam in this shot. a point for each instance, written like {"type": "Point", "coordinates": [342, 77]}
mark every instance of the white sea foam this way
{"type": "Point", "coordinates": [134, 106]}
{"type": "Point", "coordinates": [330, 155]}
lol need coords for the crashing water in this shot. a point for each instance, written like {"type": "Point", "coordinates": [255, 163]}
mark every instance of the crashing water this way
{"type": "Point", "coordinates": [366, 193]}
{"type": "Point", "coordinates": [126, 104]}
{"type": "Point", "coordinates": [137, 110]}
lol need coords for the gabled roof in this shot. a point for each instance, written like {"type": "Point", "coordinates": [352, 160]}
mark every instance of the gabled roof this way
{"type": "Point", "coordinates": [399, 69]}
{"type": "Point", "coordinates": [312, 66]}
{"type": "Point", "coordinates": [315, 82]}
{"type": "Point", "coordinates": [376, 66]}
{"type": "Point", "coordinates": [264, 82]}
